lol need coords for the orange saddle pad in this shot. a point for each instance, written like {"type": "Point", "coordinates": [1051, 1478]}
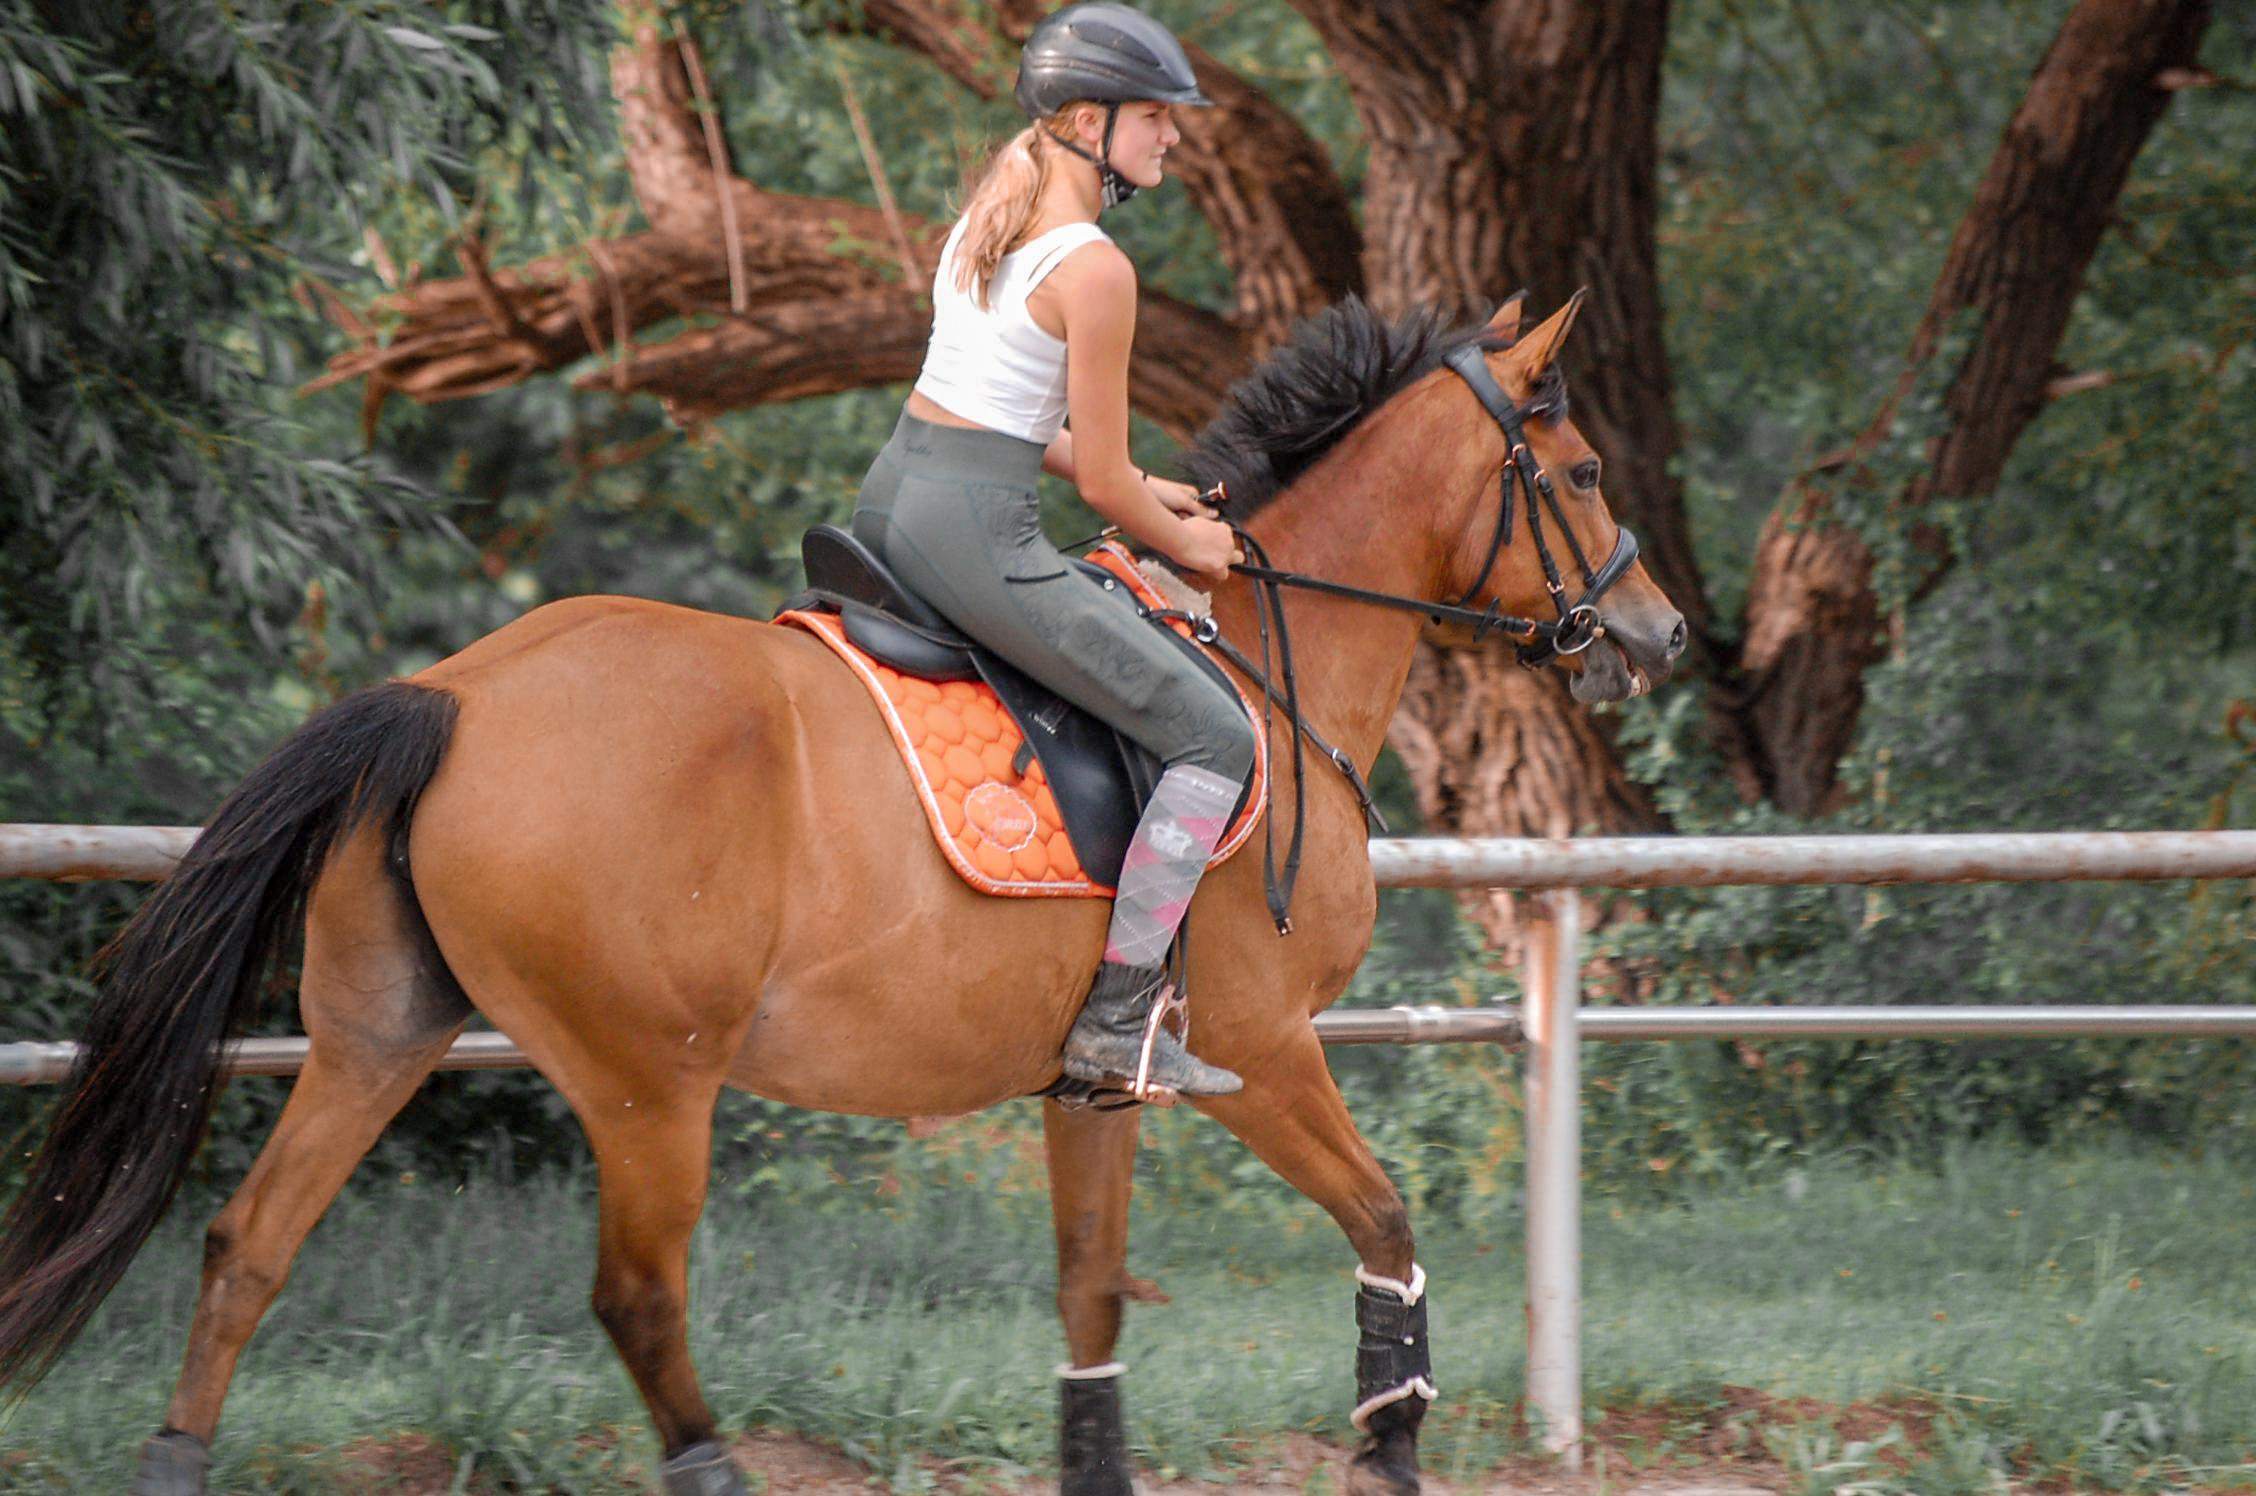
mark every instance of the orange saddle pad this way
{"type": "Point", "coordinates": [1000, 829]}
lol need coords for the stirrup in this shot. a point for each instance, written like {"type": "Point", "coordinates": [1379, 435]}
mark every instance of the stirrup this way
{"type": "Point", "coordinates": [1168, 1000]}
{"type": "Point", "coordinates": [1124, 1045]}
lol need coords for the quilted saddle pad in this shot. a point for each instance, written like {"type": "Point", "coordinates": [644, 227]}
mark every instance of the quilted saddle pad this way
{"type": "Point", "coordinates": [984, 795]}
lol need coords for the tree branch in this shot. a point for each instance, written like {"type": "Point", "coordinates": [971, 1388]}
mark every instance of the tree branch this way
{"type": "Point", "coordinates": [2016, 265]}
{"type": "Point", "coordinates": [821, 269]}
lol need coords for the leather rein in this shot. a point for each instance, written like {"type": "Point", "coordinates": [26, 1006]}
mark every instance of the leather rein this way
{"type": "Point", "coordinates": [1576, 628]}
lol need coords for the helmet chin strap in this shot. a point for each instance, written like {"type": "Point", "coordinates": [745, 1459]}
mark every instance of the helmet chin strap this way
{"type": "Point", "coordinates": [1117, 188]}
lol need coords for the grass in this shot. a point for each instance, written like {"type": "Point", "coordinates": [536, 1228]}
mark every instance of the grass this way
{"type": "Point", "coordinates": [2090, 1318]}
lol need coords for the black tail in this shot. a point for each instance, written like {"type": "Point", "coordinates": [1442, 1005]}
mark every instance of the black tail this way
{"type": "Point", "coordinates": [182, 976]}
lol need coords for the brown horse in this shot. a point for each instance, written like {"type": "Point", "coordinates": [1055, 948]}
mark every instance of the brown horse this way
{"type": "Point", "coordinates": [651, 846]}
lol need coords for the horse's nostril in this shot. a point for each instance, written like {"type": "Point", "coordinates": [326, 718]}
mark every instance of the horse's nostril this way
{"type": "Point", "coordinates": [1676, 640]}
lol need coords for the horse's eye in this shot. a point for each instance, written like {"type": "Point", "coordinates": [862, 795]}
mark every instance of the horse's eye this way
{"type": "Point", "coordinates": [1585, 474]}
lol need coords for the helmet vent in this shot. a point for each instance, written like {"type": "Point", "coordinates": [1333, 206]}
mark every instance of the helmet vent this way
{"type": "Point", "coordinates": [1107, 35]}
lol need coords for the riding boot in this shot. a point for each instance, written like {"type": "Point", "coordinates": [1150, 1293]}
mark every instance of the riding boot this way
{"type": "Point", "coordinates": [1107, 1040]}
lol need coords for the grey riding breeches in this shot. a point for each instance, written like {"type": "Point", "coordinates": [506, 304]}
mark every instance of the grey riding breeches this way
{"type": "Point", "coordinates": [953, 513]}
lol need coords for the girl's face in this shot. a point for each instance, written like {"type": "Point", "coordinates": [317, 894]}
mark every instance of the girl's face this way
{"type": "Point", "coordinates": [1140, 139]}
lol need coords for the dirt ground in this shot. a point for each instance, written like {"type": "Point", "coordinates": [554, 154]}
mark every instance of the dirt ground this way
{"type": "Point", "coordinates": [1710, 1453]}
{"type": "Point", "coordinates": [1295, 1463]}
{"type": "Point", "coordinates": [782, 1464]}
{"type": "Point", "coordinates": [1713, 1450]}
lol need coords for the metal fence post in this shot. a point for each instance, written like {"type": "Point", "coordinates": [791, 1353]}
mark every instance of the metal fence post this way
{"type": "Point", "coordinates": [1554, 1173]}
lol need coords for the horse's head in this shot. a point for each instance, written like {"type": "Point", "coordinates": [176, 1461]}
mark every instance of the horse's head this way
{"type": "Point", "coordinates": [1626, 642]}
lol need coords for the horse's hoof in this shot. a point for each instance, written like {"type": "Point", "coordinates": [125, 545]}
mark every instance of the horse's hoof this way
{"type": "Point", "coordinates": [1369, 1475]}
{"type": "Point", "coordinates": [172, 1464]}
{"type": "Point", "coordinates": [703, 1469]}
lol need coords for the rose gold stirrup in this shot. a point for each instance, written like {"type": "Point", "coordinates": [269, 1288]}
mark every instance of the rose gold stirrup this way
{"type": "Point", "coordinates": [1168, 1002]}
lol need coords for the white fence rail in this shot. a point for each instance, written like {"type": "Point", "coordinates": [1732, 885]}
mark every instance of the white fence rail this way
{"type": "Point", "coordinates": [1551, 1024]}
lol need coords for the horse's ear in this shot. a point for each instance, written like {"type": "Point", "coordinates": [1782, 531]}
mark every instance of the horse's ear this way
{"type": "Point", "coordinates": [1541, 347]}
{"type": "Point", "coordinates": [1506, 323]}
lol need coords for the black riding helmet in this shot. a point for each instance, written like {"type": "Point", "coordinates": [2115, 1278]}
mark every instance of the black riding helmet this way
{"type": "Point", "coordinates": [1108, 54]}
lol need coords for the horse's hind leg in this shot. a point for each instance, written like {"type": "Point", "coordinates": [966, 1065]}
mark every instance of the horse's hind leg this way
{"type": "Point", "coordinates": [381, 1012]}
{"type": "Point", "coordinates": [1092, 1158]}
{"type": "Point", "coordinates": [1291, 1115]}
{"type": "Point", "coordinates": [647, 1110]}
{"type": "Point", "coordinates": [653, 1160]}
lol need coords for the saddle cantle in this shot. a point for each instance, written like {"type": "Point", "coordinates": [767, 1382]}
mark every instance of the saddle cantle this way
{"type": "Point", "coordinates": [999, 782]}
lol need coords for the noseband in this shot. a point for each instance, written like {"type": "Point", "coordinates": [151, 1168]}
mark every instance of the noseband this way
{"type": "Point", "coordinates": [1577, 626]}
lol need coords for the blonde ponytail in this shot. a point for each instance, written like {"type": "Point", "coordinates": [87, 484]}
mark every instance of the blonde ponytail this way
{"type": "Point", "coordinates": [1001, 205]}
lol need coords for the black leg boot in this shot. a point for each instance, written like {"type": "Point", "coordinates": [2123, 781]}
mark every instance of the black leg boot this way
{"type": "Point", "coordinates": [1393, 1383]}
{"type": "Point", "coordinates": [1107, 1040]}
{"type": "Point", "coordinates": [1092, 1442]}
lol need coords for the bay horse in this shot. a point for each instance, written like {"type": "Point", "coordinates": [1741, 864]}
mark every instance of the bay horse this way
{"type": "Point", "coordinates": [648, 844]}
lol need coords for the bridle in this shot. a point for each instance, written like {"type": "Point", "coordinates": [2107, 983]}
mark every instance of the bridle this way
{"type": "Point", "coordinates": [1577, 626]}
{"type": "Point", "coordinates": [1575, 630]}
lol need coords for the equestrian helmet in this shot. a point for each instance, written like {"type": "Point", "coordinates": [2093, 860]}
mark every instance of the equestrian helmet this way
{"type": "Point", "coordinates": [1106, 53]}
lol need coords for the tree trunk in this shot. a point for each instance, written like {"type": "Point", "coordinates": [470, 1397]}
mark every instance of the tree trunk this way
{"type": "Point", "coordinates": [1487, 751]}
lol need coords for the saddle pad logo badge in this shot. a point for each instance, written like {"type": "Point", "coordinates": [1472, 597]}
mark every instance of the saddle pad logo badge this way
{"type": "Point", "coordinates": [1003, 815]}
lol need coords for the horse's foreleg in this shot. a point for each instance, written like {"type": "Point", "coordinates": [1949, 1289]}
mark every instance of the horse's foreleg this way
{"type": "Point", "coordinates": [1292, 1116]}
{"type": "Point", "coordinates": [1092, 1157]}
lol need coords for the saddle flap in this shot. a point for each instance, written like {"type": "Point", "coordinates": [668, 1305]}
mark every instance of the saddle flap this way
{"type": "Point", "coordinates": [837, 563]}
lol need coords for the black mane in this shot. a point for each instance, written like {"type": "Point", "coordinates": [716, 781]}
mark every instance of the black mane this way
{"type": "Point", "coordinates": [1336, 368]}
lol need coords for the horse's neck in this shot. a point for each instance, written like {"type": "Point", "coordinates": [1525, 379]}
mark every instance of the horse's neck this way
{"type": "Point", "coordinates": [1343, 522]}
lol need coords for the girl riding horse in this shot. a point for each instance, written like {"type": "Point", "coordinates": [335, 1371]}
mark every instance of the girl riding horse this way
{"type": "Point", "coordinates": [1033, 312]}
{"type": "Point", "coordinates": [654, 846]}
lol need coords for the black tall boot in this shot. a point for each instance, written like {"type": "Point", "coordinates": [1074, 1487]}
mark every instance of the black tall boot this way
{"type": "Point", "coordinates": [1107, 1039]}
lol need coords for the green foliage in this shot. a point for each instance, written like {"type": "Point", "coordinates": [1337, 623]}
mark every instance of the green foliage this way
{"type": "Point", "coordinates": [169, 173]}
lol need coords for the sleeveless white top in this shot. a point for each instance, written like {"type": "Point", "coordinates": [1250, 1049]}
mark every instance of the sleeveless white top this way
{"type": "Point", "coordinates": [998, 367]}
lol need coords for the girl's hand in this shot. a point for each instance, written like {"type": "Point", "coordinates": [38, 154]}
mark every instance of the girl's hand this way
{"type": "Point", "coordinates": [1180, 498]}
{"type": "Point", "coordinates": [1207, 549]}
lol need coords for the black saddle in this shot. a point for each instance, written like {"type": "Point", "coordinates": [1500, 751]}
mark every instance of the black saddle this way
{"type": "Point", "coordinates": [1101, 779]}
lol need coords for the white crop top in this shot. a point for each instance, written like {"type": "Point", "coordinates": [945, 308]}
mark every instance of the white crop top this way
{"type": "Point", "coordinates": [998, 367]}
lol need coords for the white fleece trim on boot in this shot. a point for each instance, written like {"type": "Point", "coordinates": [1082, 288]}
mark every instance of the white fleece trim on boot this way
{"type": "Point", "coordinates": [1361, 1417]}
{"type": "Point", "coordinates": [1074, 1373]}
{"type": "Point", "coordinates": [1409, 1292]}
